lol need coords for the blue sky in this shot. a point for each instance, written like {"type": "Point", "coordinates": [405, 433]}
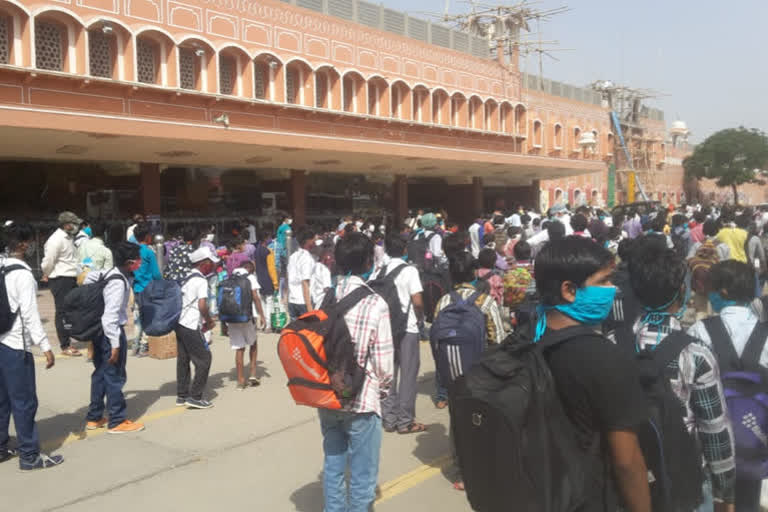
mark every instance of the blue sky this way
{"type": "Point", "coordinates": [708, 57]}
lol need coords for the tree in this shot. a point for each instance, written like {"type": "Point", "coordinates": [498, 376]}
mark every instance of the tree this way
{"type": "Point", "coordinates": [733, 157]}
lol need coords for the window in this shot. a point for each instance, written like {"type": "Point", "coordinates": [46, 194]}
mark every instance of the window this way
{"type": "Point", "coordinates": [226, 74]}
{"type": "Point", "coordinates": [321, 90]}
{"type": "Point", "coordinates": [558, 136]}
{"type": "Point", "coordinates": [146, 52]}
{"type": "Point", "coordinates": [349, 94]}
{"type": "Point", "coordinates": [416, 105]}
{"type": "Point", "coordinates": [471, 114]}
{"type": "Point", "coordinates": [5, 40]}
{"type": "Point", "coordinates": [259, 81]}
{"type": "Point", "coordinates": [100, 54]}
{"type": "Point", "coordinates": [396, 99]}
{"type": "Point", "coordinates": [48, 43]}
{"type": "Point", "coordinates": [576, 137]}
{"type": "Point", "coordinates": [373, 100]}
{"type": "Point", "coordinates": [537, 134]}
{"type": "Point", "coordinates": [187, 68]}
{"type": "Point", "coordinates": [291, 79]}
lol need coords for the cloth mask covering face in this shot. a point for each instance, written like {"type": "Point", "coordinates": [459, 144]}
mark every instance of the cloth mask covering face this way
{"type": "Point", "coordinates": [136, 265]}
{"type": "Point", "coordinates": [88, 231]}
{"type": "Point", "coordinates": [591, 306]}
{"type": "Point", "coordinates": [72, 230]}
{"type": "Point", "coordinates": [209, 237]}
{"type": "Point", "coordinates": [719, 303]}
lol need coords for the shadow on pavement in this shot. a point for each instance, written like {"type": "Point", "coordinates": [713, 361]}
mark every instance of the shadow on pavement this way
{"type": "Point", "coordinates": [55, 430]}
{"type": "Point", "coordinates": [310, 497]}
{"type": "Point", "coordinates": [433, 445]}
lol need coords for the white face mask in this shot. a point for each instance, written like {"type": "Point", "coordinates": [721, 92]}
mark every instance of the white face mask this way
{"type": "Point", "coordinates": [289, 221]}
{"type": "Point", "coordinates": [209, 237]}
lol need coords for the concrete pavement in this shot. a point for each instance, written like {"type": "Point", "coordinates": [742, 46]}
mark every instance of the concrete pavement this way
{"type": "Point", "coordinates": [255, 448]}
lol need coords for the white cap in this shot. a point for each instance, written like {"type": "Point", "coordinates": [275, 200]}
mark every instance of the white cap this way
{"type": "Point", "coordinates": [203, 253]}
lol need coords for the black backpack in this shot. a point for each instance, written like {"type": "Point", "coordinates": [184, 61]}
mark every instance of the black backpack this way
{"type": "Point", "coordinates": [83, 308]}
{"type": "Point", "coordinates": [435, 284]}
{"type": "Point", "coordinates": [384, 285]}
{"type": "Point", "coordinates": [671, 452]}
{"type": "Point", "coordinates": [7, 317]}
{"type": "Point", "coordinates": [417, 249]}
{"type": "Point", "coordinates": [235, 300]}
{"type": "Point", "coordinates": [516, 446]}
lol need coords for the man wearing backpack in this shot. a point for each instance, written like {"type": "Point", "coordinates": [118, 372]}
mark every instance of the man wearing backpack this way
{"type": "Point", "coordinates": [59, 268]}
{"type": "Point", "coordinates": [596, 381]}
{"type": "Point", "coordinates": [739, 341]}
{"type": "Point", "coordinates": [147, 271]}
{"type": "Point", "coordinates": [266, 271]}
{"type": "Point", "coordinates": [658, 278]}
{"type": "Point", "coordinates": [352, 436]}
{"type": "Point", "coordinates": [399, 407]}
{"type": "Point", "coordinates": [110, 349]}
{"type": "Point", "coordinates": [20, 322]}
{"type": "Point", "coordinates": [434, 256]}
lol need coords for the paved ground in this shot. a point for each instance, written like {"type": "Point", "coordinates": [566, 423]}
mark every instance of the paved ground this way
{"type": "Point", "coordinates": [254, 448]}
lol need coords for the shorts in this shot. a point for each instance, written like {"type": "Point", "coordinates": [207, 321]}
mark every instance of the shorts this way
{"type": "Point", "coordinates": [242, 335]}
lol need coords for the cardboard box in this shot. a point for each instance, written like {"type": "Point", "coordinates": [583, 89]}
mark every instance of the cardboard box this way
{"type": "Point", "coordinates": [162, 347]}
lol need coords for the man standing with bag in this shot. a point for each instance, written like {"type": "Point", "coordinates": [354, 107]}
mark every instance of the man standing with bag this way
{"type": "Point", "coordinates": [59, 267]}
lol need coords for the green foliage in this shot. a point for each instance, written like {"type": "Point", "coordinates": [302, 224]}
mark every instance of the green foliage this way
{"type": "Point", "coordinates": [733, 157]}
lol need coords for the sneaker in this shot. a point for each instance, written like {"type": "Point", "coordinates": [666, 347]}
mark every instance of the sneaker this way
{"type": "Point", "coordinates": [43, 461]}
{"type": "Point", "coordinates": [180, 402]}
{"type": "Point", "coordinates": [126, 427]}
{"type": "Point", "coordinates": [198, 404]}
{"type": "Point", "coordinates": [8, 453]}
{"type": "Point", "coordinates": [95, 425]}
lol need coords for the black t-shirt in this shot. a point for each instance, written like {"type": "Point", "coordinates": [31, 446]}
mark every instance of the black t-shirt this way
{"type": "Point", "coordinates": [600, 392]}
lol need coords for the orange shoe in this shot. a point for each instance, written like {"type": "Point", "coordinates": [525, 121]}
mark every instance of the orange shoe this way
{"type": "Point", "coordinates": [95, 425]}
{"type": "Point", "coordinates": [126, 427]}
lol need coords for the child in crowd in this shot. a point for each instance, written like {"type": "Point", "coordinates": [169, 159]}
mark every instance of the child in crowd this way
{"type": "Point", "coordinates": [242, 335]}
{"type": "Point", "coordinates": [488, 277]}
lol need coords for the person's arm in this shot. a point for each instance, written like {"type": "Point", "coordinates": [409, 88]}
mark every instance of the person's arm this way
{"type": "Point", "coordinates": [114, 293]}
{"type": "Point", "coordinates": [26, 297]}
{"type": "Point", "coordinates": [382, 350]}
{"type": "Point", "coordinates": [307, 295]}
{"type": "Point", "coordinates": [201, 291]}
{"type": "Point", "coordinates": [272, 269]}
{"type": "Point", "coordinates": [306, 268]}
{"type": "Point", "coordinates": [417, 302]}
{"type": "Point", "coordinates": [153, 266]}
{"type": "Point", "coordinates": [629, 470]}
{"type": "Point", "coordinates": [50, 252]}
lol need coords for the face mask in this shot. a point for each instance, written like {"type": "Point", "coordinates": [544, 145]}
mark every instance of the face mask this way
{"type": "Point", "coordinates": [591, 306]}
{"type": "Point", "coordinates": [367, 275]}
{"type": "Point", "coordinates": [602, 217]}
{"type": "Point", "coordinates": [136, 265]}
{"type": "Point", "coordinates": [71, 231]}
{"type": "Point", "coordinates": [718, 302]}
{"type": "Point", "coordinates": [88, 231]}
{"type": "Point", "coordinates": [289, 221]}
{"type": "Point", "coordinates": [209, 238]}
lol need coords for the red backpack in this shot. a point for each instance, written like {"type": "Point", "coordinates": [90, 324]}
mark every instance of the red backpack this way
{"type": "Point", "coordinates": [701, 264]}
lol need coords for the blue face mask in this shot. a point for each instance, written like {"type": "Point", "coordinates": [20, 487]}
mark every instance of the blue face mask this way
{"type": "Point", "coordinates": [718, 302]}
{"type": "Point", "coordinates": [591, 306]}
{"type": "Point", "coordinates": [367, 275]}
{"type": "Point", "coordinates": [602, 217]}
{"type": "Point", "coordinates": [88, 231]}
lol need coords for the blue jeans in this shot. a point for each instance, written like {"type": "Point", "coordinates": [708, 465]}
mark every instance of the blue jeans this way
{"type": "Point", "coordinates": [350, 440]}
{"type": "Point", "coordinates": [107, 381]}
{"type": "Point", "coordinates": [296, 310]}
{"type": "Point", "coordinates": [18, 396]}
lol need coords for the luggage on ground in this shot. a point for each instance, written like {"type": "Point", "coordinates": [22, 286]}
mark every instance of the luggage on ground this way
{"type": "Point", "coordinates": [160, 308]}
{"type": "Point", "coordinates": [318, 355]}
{"type": "Point", "coordinates": [83, 308]}
{"type": "Point", "coordinates": [235, 300]}
{"type": "Point", "coordinates": [746, 391]}
{"type": "Point", "coordinates": [458, 336]}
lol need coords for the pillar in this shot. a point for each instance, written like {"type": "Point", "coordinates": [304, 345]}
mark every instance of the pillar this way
{"type": "Point", "coordinates": [477, 196]}
{"type": "Point", "coordinates": [299, 196]}
{"type": "Point", "coordinates": [401, 199]}
{"type": "Point", "coordinates": [150, 188]}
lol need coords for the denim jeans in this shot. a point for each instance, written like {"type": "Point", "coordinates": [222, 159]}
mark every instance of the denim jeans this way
{"type": "Point", "coordinates": [107, 381]}
{"type": "Point", "coordinates": [18, 397]}
{"type": "Point", "coordinates": [350, 440]}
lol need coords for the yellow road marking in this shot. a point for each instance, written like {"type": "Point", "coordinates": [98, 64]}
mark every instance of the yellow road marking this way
{"type": "Point", "coordinates": [86, 434]}
{"type": "Point", "coordinates": [411, 479]}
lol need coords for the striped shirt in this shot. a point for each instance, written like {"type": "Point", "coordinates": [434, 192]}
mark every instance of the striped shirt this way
{"type": "Point", "coordinates": [369, 328]}
{"type": "Point", "coordinates": [699, 388]}
{"type": "Point", "coordinates": [494, 324]}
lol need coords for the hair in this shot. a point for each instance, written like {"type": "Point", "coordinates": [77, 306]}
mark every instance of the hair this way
{"type": "Point", "coordinates": [579, 222]}
{"type": "Point", "coordinates": [455, 243]}
{"type": "Point", "coordinates": [736, 278]}
{"type": "Point", "coordinates": [487, 258]}
{"type": "Point", "coordinates": [556, 230]}
{"type": "Point", "coordinates": [711, 228]}
{"type": "Point", "coordinates": [624, 251]}
{"type": "Point", "coordinates": [15, 234]}
{"type": "Point", "coordinates": [700, 217]}
{"type": "Point", "coordinates": [305, 235]}
{"type": "Point", "coordinates": [498, 220]}
{"type": "Point", "coordinates": [462, 268]}
{"type": "Point", "coordinates": [394, 245]}
{"type": "Point", "coordinates": [525, 219]}
{"type": "Point", "coordinates": [248, 265]}
{"type": "Point", "coordinates": [678, 220]}
{"type": "Point", "coordinates": [98, 228]}
{"type": "Point", "coordinates": [190, 233]}
{"type": "Point", "coordinates": [658, 222]}
{"type": "Point", "coordinates": [514, 231]}
{"type": "Point", "coordinates": [354, 254]}
{"type": "Point", "coordinates": [656, 273]}
{"type": "Point", "coordinates": [489, 238]}
{"type": "Point", "coordinates": [572, 259]}
{"type": "Point", "coordinates": [536, 221]}
{"type": "Point", "coordinates": [141, 232]}
{"type": "Point", "coordinates": [727, 215]}
{"type": "Point", "coordinates": [122, 252]}
{"type": "Point", "coordinates": [522, 251]}
{"type": "Point", "coordinates": [743, 220]}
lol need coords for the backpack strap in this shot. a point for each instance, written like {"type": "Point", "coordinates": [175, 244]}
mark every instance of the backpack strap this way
{"type": "Point", "coordinates": [7, 269]}
{"type": "Point", "coordinates": [393, 274]}
{"type": "Point", "coordinates": [430, 237]}
{"type": "Point", "coordinates": [750, 358]}
{"type": "Point", "coordinates": [670, 348]}
{"type": "Point", "coordinates": [351, 300]}
{"type": "Point", "coordinates": [726, 355]}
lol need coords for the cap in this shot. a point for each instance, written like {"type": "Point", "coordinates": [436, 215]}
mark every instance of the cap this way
{"type": "Point", "coordinates": [428, 221]}
{"type": "Point", "coordinates": [69, 218]}
{"type": "Point", "coordinates": [203, 253]}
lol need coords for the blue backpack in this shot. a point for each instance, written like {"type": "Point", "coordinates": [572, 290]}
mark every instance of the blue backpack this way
{"type": "Point", "coordinates": [458, 336]}
{"type": "Point", "coordinates": [235, 300]}
{"type": "Point", "coordinates": [160, 307]}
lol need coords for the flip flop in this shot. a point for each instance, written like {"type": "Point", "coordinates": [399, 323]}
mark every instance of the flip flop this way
{"type": "Point", "coordinates": [413, 428]}
{"type": "Point", "coordinates": [71, 352]}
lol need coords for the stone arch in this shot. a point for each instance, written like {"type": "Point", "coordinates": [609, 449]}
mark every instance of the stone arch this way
{"type": "Point", "coordinates": [59, 40]}
{"type": "Point", "coordinates": [15, 34]}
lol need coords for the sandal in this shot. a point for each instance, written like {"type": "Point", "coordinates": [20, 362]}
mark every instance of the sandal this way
{"type": "Point", "coordinates": [413, 428]}
{"type": "Point", "coordinates": [71, 352]}
{"type": "Point", "coordinates": [389, 429]}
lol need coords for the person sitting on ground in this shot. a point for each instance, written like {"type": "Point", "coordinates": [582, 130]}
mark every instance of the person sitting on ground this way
{"type": "Point", "coordinates": [110, 350]}
{"type": "Point", "coordinates": [18, 395]}
{"type": "Point", "coordinates": [488, 273]}
{"type": "Point", "coordinates": [597, 381]}
{"type": "Point", "coordinates": [658, 275]}
{"type": "Point", "coordinates": [242, 335]}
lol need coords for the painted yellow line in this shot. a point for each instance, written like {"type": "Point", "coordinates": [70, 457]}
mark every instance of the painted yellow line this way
{"type": "Point", "coordinates": [87, 434]}
{"type": "Point", "coordinates": [411, 479]}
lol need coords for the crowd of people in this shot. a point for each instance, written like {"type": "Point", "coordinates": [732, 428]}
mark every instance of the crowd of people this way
{"type": "Point", "coordinates": [693, 275]}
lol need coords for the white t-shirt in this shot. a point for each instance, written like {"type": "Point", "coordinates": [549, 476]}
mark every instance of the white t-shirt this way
{"type": "Point", "coordinates": [194, 289]}
{"type": "Point", "coordinates": [301, 264]}
{"type": "Point", "coordinates": [254, 286]}
{"type": "Point", "coordinates": [408, 284]}
{"type": "Point", "coordinates": [320, 282]}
